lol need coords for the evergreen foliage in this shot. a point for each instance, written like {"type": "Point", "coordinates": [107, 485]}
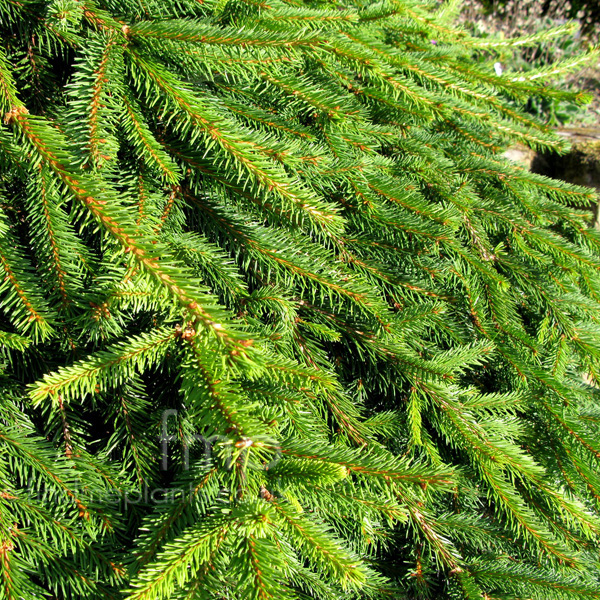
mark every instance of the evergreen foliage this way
{"type": "Point", "coordinates": [276, 319]}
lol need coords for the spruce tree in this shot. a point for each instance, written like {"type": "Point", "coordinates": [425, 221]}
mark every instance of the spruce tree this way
{"type": "Point", "coordinates": [276, 318]}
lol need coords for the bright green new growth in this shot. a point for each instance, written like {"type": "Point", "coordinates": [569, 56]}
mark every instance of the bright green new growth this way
{"type": "Point", "coordinates": [277, 321]}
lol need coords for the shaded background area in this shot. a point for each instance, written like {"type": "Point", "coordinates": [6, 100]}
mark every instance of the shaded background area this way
{"type": "Point", "coordinates": [510, 18]}
{"type": "Point", "coordinates": [578, 124]}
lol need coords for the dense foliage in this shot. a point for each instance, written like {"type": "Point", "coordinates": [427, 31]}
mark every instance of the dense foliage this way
{"type": "Point", "coordinates": [276, 320]}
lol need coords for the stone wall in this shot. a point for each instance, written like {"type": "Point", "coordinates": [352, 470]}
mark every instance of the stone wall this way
{"type": "Point", "coordinates": [581, 165]}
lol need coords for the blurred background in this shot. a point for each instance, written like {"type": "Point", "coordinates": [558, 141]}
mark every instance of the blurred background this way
{"type": "Point", "coordinates": [509, 18]}
{"type": "Point", "coordinates": [578, 124]}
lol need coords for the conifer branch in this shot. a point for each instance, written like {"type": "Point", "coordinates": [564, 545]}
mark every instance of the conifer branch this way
{"type": "Point", "coordinates": [279, 239]}
{"type": "Point", "coordinates": [109, 367]}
